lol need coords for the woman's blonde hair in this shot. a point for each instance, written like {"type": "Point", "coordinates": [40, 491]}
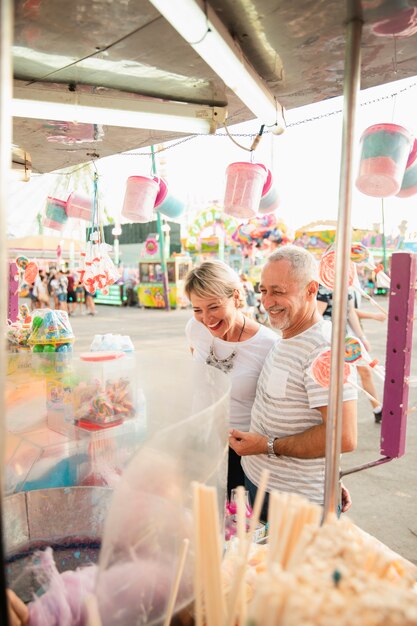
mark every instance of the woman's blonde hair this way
{"type": "Point", "coordinates": [213, 279]}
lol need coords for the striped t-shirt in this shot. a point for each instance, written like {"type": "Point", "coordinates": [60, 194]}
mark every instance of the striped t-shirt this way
{"type": "Point", "coordinates": [286, 403]}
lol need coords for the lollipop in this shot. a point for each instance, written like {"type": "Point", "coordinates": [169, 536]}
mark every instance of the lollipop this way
{"type": "Point", "coordinates": [320, 369]}
{"type": "Point", "coordinates": [21, 262]}
{"type": "Point", "coordinates": [359, 253]}
{"type": "Point", "coordinates": [327, 270]}
{"type": "Point", "coordinates": [31, 271]}
{"type": "Point", "coordinates": [353, 350]}
{"type": "Point", "coordinates": [327, 277]}
{"type": "Point", "coordinates": [320, 372]}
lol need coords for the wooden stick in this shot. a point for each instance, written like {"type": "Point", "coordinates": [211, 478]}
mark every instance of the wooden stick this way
{"type": "Point", "coordinates": [93, 614]}
{"type": "Point", "coordinates": [198, 579]}
{"type": "Point", "coordinates": [370, 299]}
{"type": "Point", "coordinates": [241, 517]}
{"type": "Point", "coordinates": [241, 569]}
{"type": "Point", "coordinates": [176, 583]}
{"type": "Point", "coordinates": [213, 593]}
{"type": "Point", "coordinates": [350, 382]}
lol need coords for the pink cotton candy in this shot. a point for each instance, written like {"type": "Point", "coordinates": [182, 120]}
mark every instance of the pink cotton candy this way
{"type": "Point", "coordinates": [137, 592]}
{"type": "Point", "coordinates": [63, 602]}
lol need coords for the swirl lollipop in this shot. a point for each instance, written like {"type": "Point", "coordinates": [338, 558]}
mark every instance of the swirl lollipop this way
{"type": "Point", "coordinates": [327, 268]}
{"type": "Point", "coordinates": [355, 352]}
{"type": "Point", "coordinates": [359, 253]}
{"type": "Point", "coordinates": [21, 262]}
{"type": "Point", "coordinates": [31, 271]}
{"type": "Point", "coordinates": [320, 369]}
{"type": "Point", "coordinates": [320, 372]}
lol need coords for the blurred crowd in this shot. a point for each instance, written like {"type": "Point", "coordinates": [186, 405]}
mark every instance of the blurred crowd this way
{"type": "Point", "coordinates": [61, 290]}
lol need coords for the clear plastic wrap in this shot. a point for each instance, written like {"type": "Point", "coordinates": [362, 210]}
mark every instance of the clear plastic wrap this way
{"type": "Point", "coordinates": [150, 515]}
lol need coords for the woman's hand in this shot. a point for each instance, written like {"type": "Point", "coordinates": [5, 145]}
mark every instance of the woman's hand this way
{"type": "Point", "coordinates": [18, 611]}
{"type": "Point", "coordinates": [247, 443]}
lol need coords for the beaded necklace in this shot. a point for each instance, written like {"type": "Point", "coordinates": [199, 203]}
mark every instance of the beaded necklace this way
{"type": "Point", "coordinates": [225, 365]}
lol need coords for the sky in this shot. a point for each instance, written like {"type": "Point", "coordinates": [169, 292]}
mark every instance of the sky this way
{"type": "Point", "coordinates": [305, 163]}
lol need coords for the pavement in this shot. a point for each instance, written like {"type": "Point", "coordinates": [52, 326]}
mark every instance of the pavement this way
{"type": "Point", "coordinates": [384, 500]}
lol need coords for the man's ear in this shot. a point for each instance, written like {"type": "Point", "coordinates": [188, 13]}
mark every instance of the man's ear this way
{"type": "Point", "coordinates": [312, 288]}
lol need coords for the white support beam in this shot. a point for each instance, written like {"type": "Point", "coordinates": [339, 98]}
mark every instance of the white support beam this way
{"type": "Point", "coordinates": [207, 35]}
{"type": "Point", "coordinates": [130, 112]}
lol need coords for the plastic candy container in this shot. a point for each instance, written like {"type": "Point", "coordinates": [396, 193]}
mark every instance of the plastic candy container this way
{"type": "Point", "coordinates": [80, 207]}
{"type": "Point", "coordinates": [409, 184]}
{"type": "Point", "coordinates": [244, 187]}
{"type": "Point", "coordinates": [140, 197]}
{"type": "Point", "coordinates": [104, 394]}
{"type": "Point", "coordinates": [270, 198]}
{"type": "Point", "coordinates": [51, 332]}
{"type": "Point", "coordinates": [55, 215]}
{"type": "Point", "coordinates": [112, 343]}
{"type": "Point", "coordinates": [384, 152]}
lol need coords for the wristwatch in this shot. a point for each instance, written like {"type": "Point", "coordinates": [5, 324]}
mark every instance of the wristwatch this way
{"type": "Point", "coordinates": [270, 447]}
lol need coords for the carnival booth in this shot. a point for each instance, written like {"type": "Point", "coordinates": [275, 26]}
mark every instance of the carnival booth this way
{"type": "Point", "coordinates": [150, 290]}
{"type": "Point", "coordinates": [115, 468]}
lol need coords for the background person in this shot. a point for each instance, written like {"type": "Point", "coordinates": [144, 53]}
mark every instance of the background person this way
{"type": "Point", "coordinates": [250, 295]}
{"type": "Point", "coordinates": [222, 336]}
{"type": "Point", "coordinates": [288, 423]}
{"type": "Point", "coordinates": [71, 295]}
{"type": "Point", "coordinates": [354, 327]}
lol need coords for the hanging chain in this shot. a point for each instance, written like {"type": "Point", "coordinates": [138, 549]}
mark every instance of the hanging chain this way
{"type": "Point", "coordinates": [253, 135]}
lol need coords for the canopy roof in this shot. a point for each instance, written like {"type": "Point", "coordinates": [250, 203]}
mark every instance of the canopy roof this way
{"type": "Point", "coordinates": [129, 51]}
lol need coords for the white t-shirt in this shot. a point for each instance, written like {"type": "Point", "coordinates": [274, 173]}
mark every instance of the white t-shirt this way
{"type": "Point", "coordinates": [287, 403]}
{"type": "Point", "coordinates": [247, 364]}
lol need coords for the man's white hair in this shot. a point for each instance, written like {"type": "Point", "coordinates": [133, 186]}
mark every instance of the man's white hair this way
{"type": "Point", "coordinates": [303, 264]}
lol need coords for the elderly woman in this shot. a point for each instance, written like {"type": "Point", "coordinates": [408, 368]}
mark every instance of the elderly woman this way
{"type": "Point", "coordinates": [222, 336]}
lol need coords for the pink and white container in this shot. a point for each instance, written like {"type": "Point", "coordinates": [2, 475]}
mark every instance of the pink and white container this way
{"type": "Point", "coordinates": [52, 224]}
{"type": "Point", "coordinates": [140, 197]}
{"type": "Point", "coordinates": [166, 203]}
{"type": "Point", "coordinates": [409, 183]}
{"type": "Point", "coordinates": [270, 198]}
{"type": "Point", "coordinates": [79, 206]}
{"type": "Point", "coordinates": [384, 152]}
{"type": "Point", "coordinates": [244, 187]}
{"type": "Point", "coordinates": [55, 213]}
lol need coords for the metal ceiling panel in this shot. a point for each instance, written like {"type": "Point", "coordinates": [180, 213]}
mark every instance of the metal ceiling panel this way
{"type": "Point", "coordinates": [296, 46]}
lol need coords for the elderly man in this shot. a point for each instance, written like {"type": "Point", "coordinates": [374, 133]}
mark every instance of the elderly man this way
{"type": "Point", "coordinates": [288, 421]}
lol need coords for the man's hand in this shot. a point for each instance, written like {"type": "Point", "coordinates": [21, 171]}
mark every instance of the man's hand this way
{"type": "Point", "coordinates": [18, 612]}
{"type": "Point", "coordinates": [346, 499]}
{"type": "Point", "coordinates": [247, 443]}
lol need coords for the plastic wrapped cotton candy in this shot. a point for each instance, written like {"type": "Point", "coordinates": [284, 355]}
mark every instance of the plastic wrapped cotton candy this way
{"type": "Point", "coordinates": [151, 513]}
{"type": "Point", "coordinates": [62, 604]}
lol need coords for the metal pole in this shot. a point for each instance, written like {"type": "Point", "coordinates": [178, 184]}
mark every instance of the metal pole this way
{"type": "Point", "coordinates": [343, 241]}
{"type": "Point", "coordinates": [6, 34]}
{"type": "Point", "coordinates": [165, 284]}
